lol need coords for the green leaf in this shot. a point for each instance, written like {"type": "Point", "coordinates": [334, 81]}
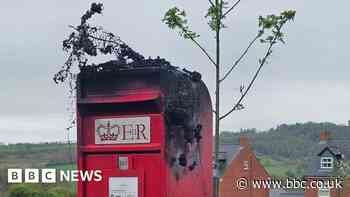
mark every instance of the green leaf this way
{"type": "Point", "coordinates": [176, 19]}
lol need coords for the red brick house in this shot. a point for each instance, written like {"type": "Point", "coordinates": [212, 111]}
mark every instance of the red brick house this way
{"type": "Point", "coordinates": [239, 162]}
{"type": "Point", "coordinates": [324, 164]}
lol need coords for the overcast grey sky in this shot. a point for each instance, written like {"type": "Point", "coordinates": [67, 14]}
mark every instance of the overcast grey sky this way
{"type": "Point", "coordinates": [306, 80]}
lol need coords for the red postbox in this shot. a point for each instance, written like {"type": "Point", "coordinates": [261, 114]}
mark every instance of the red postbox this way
{"type": "Point", "coordinates": [147, 128]}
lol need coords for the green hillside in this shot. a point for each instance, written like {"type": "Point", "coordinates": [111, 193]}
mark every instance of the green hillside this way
{"type": "Point", "coordinates": [288, 141]}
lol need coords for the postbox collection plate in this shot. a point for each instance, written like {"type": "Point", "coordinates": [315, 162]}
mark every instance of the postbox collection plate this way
{"type": "Point", "coordinates": [129, 130]}
{"type": "Point", "coordinates": [123, 186]}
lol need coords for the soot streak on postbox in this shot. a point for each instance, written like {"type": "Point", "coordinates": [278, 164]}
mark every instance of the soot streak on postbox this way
{"type": "Point", "coordinates": [182, 106]}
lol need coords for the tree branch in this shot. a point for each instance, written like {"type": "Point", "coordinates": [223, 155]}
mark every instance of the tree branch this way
{"type": "Point", "coordinates": [229, 10]}
{"type": "Point", "coordinates": [211, 3]}
{"type": "Point", "coordinates": [275, 24]}
{"type": "Point", "coordinates": [97, 38]}
{"type": "Point", "coordinates": [241, 57]}
{"type": "Point", "coordinates": [199, 46]}
{"type": "Point", "coordinates": [204, 51]}
{"type": "Point", "coordinates": [262, 63]}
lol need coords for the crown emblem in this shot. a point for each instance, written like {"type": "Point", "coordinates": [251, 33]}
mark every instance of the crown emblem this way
{"type": "Point", "coordinates": [105, 132]}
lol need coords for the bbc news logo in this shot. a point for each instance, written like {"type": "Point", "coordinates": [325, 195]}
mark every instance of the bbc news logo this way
{"type": "Point", "coordinates": [52, 175]}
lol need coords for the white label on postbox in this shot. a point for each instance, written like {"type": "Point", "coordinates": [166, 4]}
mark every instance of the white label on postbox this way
{"type": "Point", "coordinates": [123, 187]}
{"type": "Point", "coordinates": [136, 130]}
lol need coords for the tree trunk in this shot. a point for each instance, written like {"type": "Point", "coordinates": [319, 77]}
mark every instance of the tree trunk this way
{"type": "Point", "coordinates": [217, 101]}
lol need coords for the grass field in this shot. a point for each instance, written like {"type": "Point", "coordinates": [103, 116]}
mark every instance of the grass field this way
{"type": "Point", "coordinates": [64, 166]}
{"type": "Point", "coordinates": [46, 155]}
{"type": "Point", "coordinates": [281, 168]}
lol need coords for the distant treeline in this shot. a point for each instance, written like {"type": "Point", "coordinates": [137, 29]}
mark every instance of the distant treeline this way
{"type": "Point", "coordinates": [288, 141]}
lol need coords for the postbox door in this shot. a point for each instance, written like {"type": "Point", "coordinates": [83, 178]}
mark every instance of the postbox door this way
{"type": "Point", "coordinates": [126, 175]}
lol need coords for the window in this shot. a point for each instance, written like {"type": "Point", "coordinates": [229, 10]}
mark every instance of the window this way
{"type": "Point", "coordinates": [324, 193]}
{"type": "Point", "coordinates": [326, 162]}
{"type": "Point", "coordinates": [246, 165]}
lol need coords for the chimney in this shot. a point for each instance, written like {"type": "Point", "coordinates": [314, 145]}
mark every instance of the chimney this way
{"type": "Point", "coordinates": [244, 141]}
{"type": "Point", "coordinates": [324, 137]}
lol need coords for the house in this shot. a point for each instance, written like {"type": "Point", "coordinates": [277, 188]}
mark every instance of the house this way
{"type": "Point", "coordinates": [323, 166]}
{"type": "Point", "coordinates": [292, 194]}
{"type": "Point", "coordinates": [237, 163]}
{"type": "Point", "coordinates": [283, 193]}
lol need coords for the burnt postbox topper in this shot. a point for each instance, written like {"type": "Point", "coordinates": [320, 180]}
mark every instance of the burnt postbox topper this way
{"type": "Point", "coordinates": [179, 95]}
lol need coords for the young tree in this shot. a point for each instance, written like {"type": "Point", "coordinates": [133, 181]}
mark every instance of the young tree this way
{"type": "Point", "coordinates": [269, 33]}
